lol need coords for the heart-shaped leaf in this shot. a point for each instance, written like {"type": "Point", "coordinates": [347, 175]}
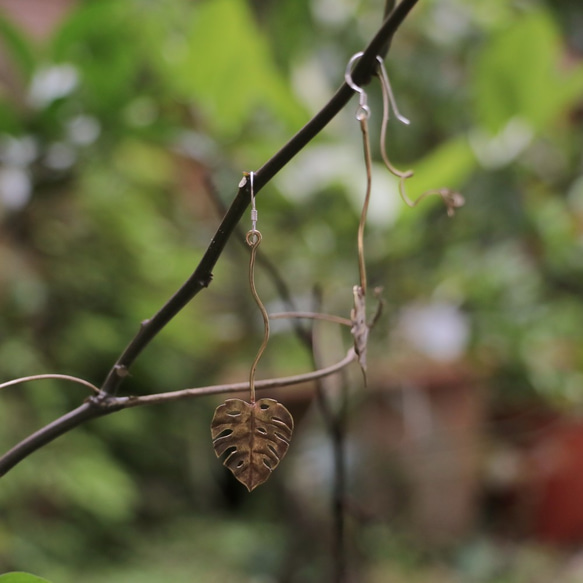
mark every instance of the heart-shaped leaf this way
{"type": "Point", "coordinates": [255, 437]}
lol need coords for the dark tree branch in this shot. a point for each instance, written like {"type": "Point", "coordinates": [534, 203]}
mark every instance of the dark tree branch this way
{"type": "Point", "coordinates": [202, 276]}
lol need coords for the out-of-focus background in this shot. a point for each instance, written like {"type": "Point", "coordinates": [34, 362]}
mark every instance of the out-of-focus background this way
{"type": "Point", "coordinates": [465, 452]}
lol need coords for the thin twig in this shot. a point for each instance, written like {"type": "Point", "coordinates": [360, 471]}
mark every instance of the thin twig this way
{"type": "Point", "coordinates": [260, 385]}
{"type": "Point", "coordinates": [40, 377]}
{"type": "Point", "coordinates": [311, 316]}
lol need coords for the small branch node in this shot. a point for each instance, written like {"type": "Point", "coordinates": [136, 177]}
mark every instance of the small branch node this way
{"type": "Point", "coordinates": [106, 403]}
{"type": "Point", "coordinates": [121, 371]}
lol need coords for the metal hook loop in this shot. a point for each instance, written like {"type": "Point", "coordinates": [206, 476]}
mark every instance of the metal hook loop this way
{"type": "Point", "coordinates": [253, 238]}
{"type": "Point", "coordinates": [348, 73]}
{"type": "Point", "coordinates": [363, 111]}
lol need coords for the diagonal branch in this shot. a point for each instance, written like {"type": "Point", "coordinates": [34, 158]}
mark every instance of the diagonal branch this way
{"type": "Point", "coordinates": [127, 402]}
{"type": "Point", "coordinates": [202, 275]}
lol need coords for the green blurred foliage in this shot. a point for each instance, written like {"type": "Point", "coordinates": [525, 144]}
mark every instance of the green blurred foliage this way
{"type": "Point", "coordinates": [108, 130]}
{"type": "Point", "coordinates": [21, 578]}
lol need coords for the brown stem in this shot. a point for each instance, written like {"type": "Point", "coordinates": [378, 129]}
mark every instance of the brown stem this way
{"type": "Point", "coordinates": [311, 316]}
{"type": "Point", "coordinates": [41, 377]}
{"type": "Point", "coordinates": [102, 405]}
{"type": "Point", "coordinates": [126, 402]}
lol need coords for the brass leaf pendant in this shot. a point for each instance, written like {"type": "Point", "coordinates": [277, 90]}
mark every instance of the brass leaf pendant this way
{"type": "Point", "coordinates": [254, 436]}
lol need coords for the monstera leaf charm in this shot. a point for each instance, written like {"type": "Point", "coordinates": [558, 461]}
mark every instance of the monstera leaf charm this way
{"type": "Point", "coordinates": [254, 436]}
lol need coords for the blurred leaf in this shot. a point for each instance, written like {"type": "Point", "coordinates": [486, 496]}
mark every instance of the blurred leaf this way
{"type": "Point", "coordinates": [223, 61]}
{"type": "Point", "coordinates": [518, 74]}
{"type": "Point", "coordinates": [21, 578]}
{"type": "Point", "coordinates": [18, 46]}
{"type": "Point", "coordinates": [448, 166]}
{"type": "Point", "coordinates": [288, 30]}
{"type": "Point", "coordinates": [99, 39]}
{"type": "Point", "coordinates": [90, 478]}
{"type": "Point", "coordinates": [80, 475]}
{"type": "Point", "coordinates": [144, 163]}
{"type": "Point", "coordinates": [10, 122]}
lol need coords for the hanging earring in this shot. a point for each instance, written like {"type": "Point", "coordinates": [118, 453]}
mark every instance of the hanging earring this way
{"type": "Point", "coordinates": [254, 435]}
{"type": "Point", "coordinates": [360, 327]}
{"type": "Point", "coordinates": [451, 198]}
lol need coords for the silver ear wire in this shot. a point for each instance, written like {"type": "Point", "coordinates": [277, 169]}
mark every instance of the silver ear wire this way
{"type": "Point", "coordinates": [253, 236]}
{"type": "Point", "coordinates": [363, 111]}
{"type": "Point", "coordinates": [387, 84]}
{"type": "Point", "coordinates": [253, 208]}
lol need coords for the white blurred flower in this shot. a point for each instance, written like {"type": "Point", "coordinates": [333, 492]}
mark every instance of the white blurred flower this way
{"type": "Point", "coordinates": [83, 130]}
{"type": "Point", "coordinates": [51, 83]}
{"type": "Point", "coordinates": [438, 330]}
{"type": "Point", "coordinates": [18, 151]}
{"type": "Point", "coordinates": [15, 187]}
{"type": "Point", "coordinates": [60, 156]}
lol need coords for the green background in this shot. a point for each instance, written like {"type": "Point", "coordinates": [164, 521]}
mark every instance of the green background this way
{"type": "Point", "coordinates": [109, 128]}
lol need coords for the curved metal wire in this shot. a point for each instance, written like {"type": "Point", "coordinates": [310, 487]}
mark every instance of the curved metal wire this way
{"type": "Point", "coordinates": [253, 239]}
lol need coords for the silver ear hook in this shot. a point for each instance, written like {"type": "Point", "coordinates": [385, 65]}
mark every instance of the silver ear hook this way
{"type": "Point", "coordinates": [253, 208]}
{"type": "Point", "coordinates": [253, 236]}
{"type": "Point", "coordinates": [387, 84]}
{"type": "Point", "coordinates": [363, 111]}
